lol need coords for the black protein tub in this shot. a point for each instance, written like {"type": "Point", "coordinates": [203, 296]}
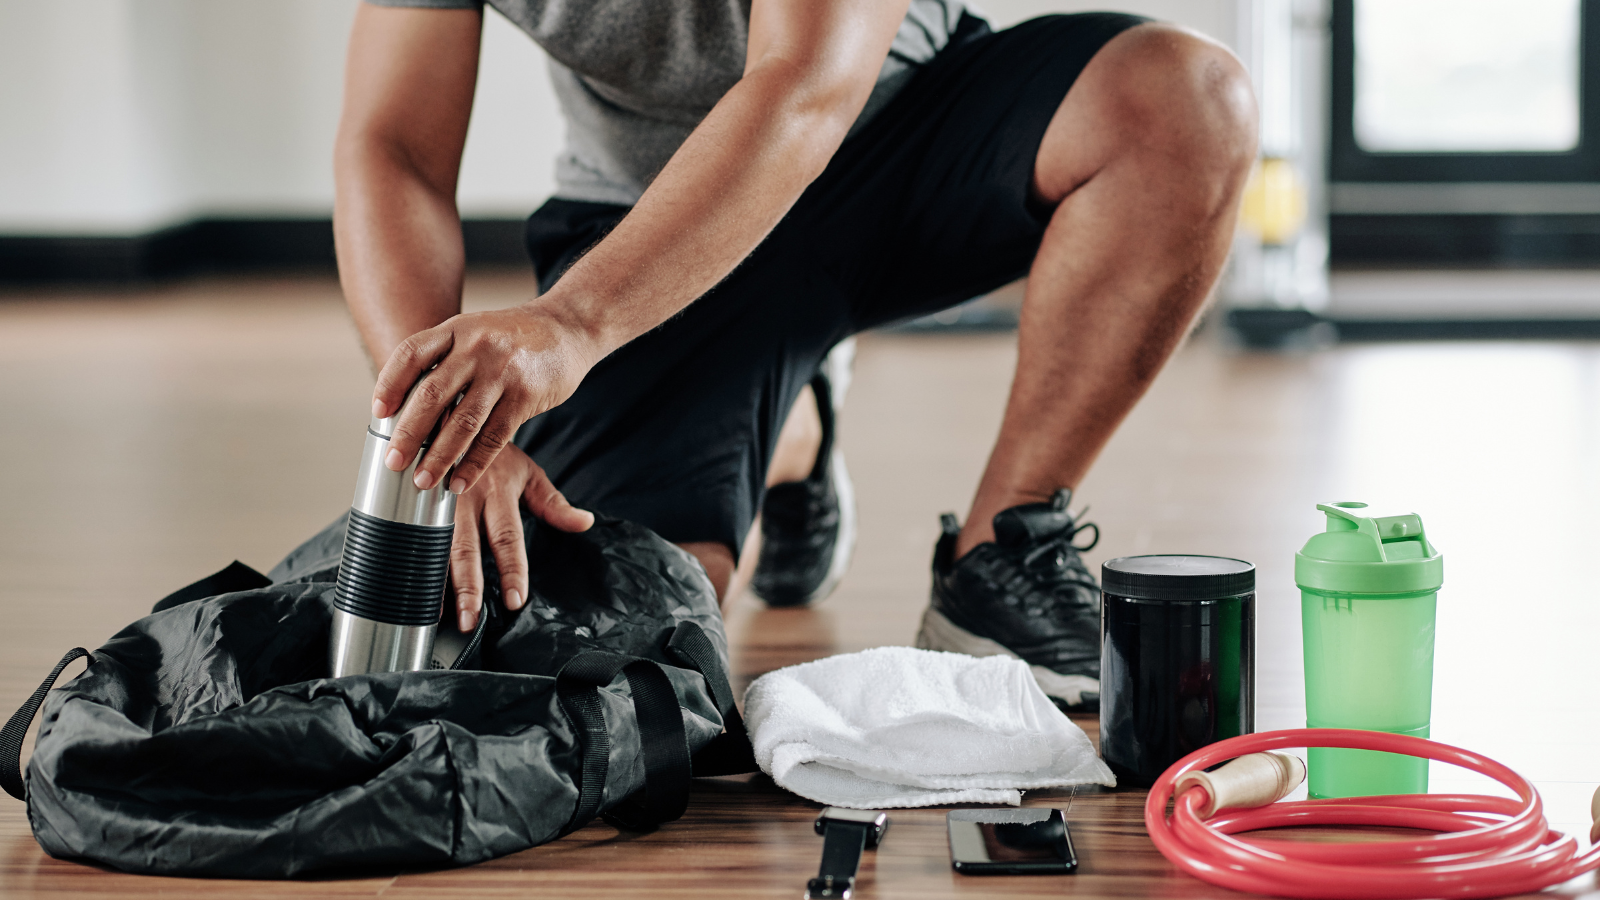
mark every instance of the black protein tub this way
{"type": "Point", "coordinates": [1177, 659]}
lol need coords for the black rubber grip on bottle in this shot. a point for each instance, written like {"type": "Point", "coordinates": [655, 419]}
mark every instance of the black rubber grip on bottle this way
{"type": "Point", "coordinates": [393, 572]}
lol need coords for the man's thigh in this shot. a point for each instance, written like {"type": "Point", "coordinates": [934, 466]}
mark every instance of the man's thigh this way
{"type": "Point", "coordinates": [926, 207]}
{"type": "Point", "coordinates": [675, 429]}
{"type": "Point", "coordinates": [930, 204]}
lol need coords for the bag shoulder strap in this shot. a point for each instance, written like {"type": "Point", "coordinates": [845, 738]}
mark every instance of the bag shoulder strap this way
{"type": "Point", "coordinates": [235, 577]}
{"type": "Point", "coordinates": [17, 728]}
{"type": "Point", "coordinates": [662, 741]}
{"type": "Point", "coordinates": [728, 753]}
{"type": "Point", "coordinates": [577, 687]}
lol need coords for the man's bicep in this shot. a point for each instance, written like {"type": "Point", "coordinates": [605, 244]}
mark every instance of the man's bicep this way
{"type": "Point", "coordinates": [409, 79]}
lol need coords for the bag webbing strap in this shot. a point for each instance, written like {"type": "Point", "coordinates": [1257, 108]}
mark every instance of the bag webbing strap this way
{"type": "Point", "coordinates": [662, 741]}
{"type": "Point", "coordinates": [17, 728]}
{"type": "Point", "coordinates": [577, 686]}
{"type": "Point", "coordinates": [728, 753]}
{"type": "Point", "coordinates": [236, 577]}
{"type": "Point", "coordinates": [667, 769]}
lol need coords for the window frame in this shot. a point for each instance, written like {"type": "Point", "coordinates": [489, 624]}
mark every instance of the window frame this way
{"type": "Point", "coordinates": [1349, 162]}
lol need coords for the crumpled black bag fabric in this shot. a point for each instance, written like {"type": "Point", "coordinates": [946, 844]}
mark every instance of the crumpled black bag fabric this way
{"type": "Point", "coordinates": [205, 739]}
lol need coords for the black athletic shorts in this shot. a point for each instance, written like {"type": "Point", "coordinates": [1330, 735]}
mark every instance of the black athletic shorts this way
{"type": "Point", "coordinates": [925, 207]}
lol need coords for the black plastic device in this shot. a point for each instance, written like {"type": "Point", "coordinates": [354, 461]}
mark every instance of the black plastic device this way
{"type": "Point", "coordinates": [1011, 842]}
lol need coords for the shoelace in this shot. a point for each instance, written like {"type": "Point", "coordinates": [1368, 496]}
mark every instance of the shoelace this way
{"type": "Point", "coordinates": [1064, 566]}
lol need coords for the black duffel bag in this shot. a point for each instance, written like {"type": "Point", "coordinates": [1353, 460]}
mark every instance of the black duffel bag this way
{"type": "Point", "coordinates": [205, 739]}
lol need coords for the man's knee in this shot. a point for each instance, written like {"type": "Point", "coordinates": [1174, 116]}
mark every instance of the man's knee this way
{"type": "Point", "coordinates": [1185, 96]}
{"type": "Point", "coordinates": [718, 561]}
{"type": "Point", "coordinates": [1168, 97]}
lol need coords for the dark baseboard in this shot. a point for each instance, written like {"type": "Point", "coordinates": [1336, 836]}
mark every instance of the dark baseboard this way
{"type": "Point", "coordinates": [1269, 328]}
{"type": "Point", "coordinates": [217, 245]}
{"type": "Point", "coordinates": [239, 245]}
{"type": "Point", "coordinates": [1477, 240]}
{"type": "Point", "coordinates": [1467, 329]}
{"type": "Point", "coordinates": [1280, 328]}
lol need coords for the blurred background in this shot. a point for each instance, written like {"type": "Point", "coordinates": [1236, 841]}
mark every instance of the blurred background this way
{"type": "Point", "coordinates": [1409, 318]}
{"type": "Point", "coordinates": [151, 138]}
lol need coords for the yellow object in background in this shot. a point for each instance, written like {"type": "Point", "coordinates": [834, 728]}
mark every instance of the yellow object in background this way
{"type": "Point", "coordinates": [1274, 205]}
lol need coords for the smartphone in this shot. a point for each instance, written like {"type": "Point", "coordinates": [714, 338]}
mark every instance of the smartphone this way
{"type": "Point", "coordinates": [1010, 842]}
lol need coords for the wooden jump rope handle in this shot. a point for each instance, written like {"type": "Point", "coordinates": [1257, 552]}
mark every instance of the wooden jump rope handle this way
{"type": "Point", "coordinates": [1249, 781]}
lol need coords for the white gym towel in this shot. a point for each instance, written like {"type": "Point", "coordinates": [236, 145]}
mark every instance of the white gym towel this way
{"type": "Point", "coordinates": [896, 727]}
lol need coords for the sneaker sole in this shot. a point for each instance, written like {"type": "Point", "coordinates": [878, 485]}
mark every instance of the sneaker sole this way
{"type": "Point", "coordinates": [939, 633]}
{"type": "Point", "coordinates": [839, 366]}
{"type": "Point", "coordinates": [845, 547]}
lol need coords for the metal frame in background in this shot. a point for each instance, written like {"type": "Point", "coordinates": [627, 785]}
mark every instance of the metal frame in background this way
{"type": "Point", "coordinates": [1348, 162]}
{"type": "Point", "coordinates": [1524, 209]}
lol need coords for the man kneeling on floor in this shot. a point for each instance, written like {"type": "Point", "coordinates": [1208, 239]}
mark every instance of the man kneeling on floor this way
{"type": "Point", "coordinates": [744, 186]}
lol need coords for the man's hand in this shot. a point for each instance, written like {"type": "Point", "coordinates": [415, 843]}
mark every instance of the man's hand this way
{"type": "Point", "coordinates": [509, 365]}
{"type": "Point", "coordinates": [490, 512]}
{"type": "Point", "coordinates": [810, 67]}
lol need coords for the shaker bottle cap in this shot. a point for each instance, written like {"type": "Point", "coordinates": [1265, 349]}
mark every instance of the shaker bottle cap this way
{"type": "Point", "coordinates": [1177, 577]}
{"type": "Point", "coordinates": [1362, 555]}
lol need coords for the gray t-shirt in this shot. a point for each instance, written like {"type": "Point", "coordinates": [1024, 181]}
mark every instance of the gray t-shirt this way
{"type": "Point", "coordinates": [634, 77]}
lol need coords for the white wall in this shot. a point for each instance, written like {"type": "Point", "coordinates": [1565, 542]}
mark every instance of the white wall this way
{"type": "Point", "coordinates": [90, 127]}
{"type": "Point", "coordinates": [509, 166]}
{"type": "Point", "coordinates": [123, 116]}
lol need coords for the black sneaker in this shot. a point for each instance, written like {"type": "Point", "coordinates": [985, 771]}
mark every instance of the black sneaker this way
{"type": "Point", "coordinates": [808, 528]}
{"type": "Point", "coordinates": [1027, 595]}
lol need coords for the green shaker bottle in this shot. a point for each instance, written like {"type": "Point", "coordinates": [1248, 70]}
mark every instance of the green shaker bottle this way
{"type": "Point", "coordinates": [1367, 592]}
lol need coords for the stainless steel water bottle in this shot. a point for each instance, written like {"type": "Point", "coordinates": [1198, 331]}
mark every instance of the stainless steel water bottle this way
{"type": "Point", "coordinates": [396, 560]}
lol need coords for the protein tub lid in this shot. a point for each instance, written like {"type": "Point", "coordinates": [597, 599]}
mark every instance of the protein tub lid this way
{"type": "Point", "coordinates": [1178, 577]}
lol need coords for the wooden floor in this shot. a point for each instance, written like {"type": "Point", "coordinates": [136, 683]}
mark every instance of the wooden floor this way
{"type": "Point", "coordinates": [151, 436]}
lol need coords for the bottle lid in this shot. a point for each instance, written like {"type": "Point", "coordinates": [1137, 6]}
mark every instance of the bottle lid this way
{"type": "Point", "coordinates": [1361, 555]}
{"type": "Point", "coordinates": [1177, 577]}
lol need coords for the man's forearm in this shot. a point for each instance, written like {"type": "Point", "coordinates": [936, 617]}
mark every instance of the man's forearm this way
{"type": "Point", "coordinates": [401, 259]}
{"type": "Point", "coordinates": [810, 66]}
{"type": "Point", "coordinates": [716, 200]}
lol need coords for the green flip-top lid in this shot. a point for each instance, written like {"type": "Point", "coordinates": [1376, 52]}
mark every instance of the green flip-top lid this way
{"type": "Point", "coordinates": [1361, 555]}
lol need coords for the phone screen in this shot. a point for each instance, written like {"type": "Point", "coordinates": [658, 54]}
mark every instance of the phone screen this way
{"type": "Point", "coordinates": [1010, 842]}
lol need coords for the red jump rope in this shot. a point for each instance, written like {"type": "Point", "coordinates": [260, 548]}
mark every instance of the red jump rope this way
{"type": "Point", "coordinates": [1485, 846]}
